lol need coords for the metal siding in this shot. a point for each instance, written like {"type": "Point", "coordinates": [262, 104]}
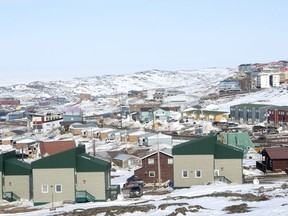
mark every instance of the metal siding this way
{"type": "Point", "coordinates": [232, 169]}
{"type": "Point", "coordinates": [65, 177]}
{"type": "Point", "coordinates": [191, 163]}
{"type": "Point", "coordinates": [93, 183]}
{"type": "Point", "coordinates": [1, 187]}
{"type": "Point", "coordinates": [19, 185]}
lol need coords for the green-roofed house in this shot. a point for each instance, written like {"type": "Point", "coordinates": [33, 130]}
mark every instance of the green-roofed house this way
{"type": "Point", "coordinates": [15, 177]}
{"type": "Point", "coordinates": [240, 139]}
{"type": "Point", "coordinates": [70, 176]}
{"type": "Point", "coordinates": [250, 113]}
{"type": "Point", "coordinates": [204, 160]}
{"type": "Point", "coordinates": [208, 115]}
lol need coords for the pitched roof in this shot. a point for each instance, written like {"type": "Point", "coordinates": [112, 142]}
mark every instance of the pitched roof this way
{"type": "Point", "coordinates": [53, 147]}
{"type": "Point", "coordinates": [207, 145]}
{"type": "Point", "coordinates": [277, 152]}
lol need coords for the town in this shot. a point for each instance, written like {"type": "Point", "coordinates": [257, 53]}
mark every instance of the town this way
{"type": "Point", "coordinates": [57, 150]}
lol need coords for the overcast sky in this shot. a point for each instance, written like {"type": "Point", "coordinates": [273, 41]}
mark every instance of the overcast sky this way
{"type": "Point", "coordinates": [58, 39]}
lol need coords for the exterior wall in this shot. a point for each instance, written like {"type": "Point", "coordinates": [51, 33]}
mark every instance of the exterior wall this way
{"type": "Point", "coordinates": [278, 165]}
{"type": "Point", "coordinates": [93, 183]}
{"type": "Point", "coordinates": [191, 163]}
{"type": "Point", "coordinates": [165, 169]}
{"type": "Point", "coordinates": [76, 131]}
{"type": "Point", "coordinates": [51, 177]}
{"type": "Point", "coordinates": [19, 185]}
{"type": "Point", "coordinates": [231, 169]}
{"type": "Point", "coordinates": [133, 138]}
{"type": "Point", "coordinates": [1, 187]}
{"type": "Point", "coordinates": [49, 126]}
{"type": "Point", "coordinates": [103, 135]}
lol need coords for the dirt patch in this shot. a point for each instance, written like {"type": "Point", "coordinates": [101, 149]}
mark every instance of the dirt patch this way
{"type": "Point", "coordinates": [164, 206]}
{"type": "Point", "coordinates": [159, 192]}
{"type": "Point", "coordinates": [17, 210]}
{"type": "Point", "coordinates": [110, 211]}
{"type": "Point", "coordinates": [242, 208]}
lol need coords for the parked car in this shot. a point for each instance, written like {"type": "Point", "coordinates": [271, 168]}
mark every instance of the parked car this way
{"type": "Point", "coordinates": [135, 191]}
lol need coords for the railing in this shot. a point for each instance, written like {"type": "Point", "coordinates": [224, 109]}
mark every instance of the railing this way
{"type": "Point", "coordinates": [84, 196]}
{"type": "Point", "coordinates": [261, 166]}
{"type": "Point", "coordinates": [222, 179]}
{"type": "Point", "coordinates": [10, 197]}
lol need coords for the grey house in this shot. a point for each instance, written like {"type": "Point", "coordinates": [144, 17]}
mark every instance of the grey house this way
{"type": "Point", "coordinates": [249, 113]}
{"type": "Point", "coordinates": [150, 139]}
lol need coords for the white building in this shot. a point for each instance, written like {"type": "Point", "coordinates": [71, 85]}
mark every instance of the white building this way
{"type": "Point", "coordinates": [267, 80]}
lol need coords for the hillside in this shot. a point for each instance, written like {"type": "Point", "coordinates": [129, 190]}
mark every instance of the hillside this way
{"type": "Point", "coordinates": [196, 82]}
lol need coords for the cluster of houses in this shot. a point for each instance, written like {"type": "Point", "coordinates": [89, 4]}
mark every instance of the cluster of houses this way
{"type": "Point", "coordinates": [257, 76]}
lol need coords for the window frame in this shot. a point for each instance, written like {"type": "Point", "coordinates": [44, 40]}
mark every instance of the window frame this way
{"type": "Point", "coordinates": [150, 172]}
{"type": "Point", "coordinates": [42, 188]}
{"type": "Point", "coordinates": [196, 171]}
{"type": "Point", "coordinates": [187, 175]}
{"type": "Point", "coordinates": [56, 191]}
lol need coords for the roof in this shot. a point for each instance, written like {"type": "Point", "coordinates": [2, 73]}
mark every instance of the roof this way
{"type": "Point", "coordinates": [64, 159]}
{"type": "Point", "coordinates": [238, 139]}
{"type": "Point", "coordinates": [86, 163]}
{"type": "Point", "coordinates": [163, 151]}
{"type": "Point", "coordinates": [207, 112]}
{"type": "Point", "coordinates": [53, 147]}
{"type": "Point", "coordinates": [249, 105]}
{"type": "Point", "coordinates": [123, 157]}
{"type": "Point", "coordinates": [13, 166]}
{"type": "Point", "coordinates": [277, 152]}
{"type": "Point", "coordinates": [207, 145]}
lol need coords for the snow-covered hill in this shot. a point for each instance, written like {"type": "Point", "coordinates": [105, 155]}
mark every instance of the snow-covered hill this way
{"type": "Point", "coordinates": [197, 82]}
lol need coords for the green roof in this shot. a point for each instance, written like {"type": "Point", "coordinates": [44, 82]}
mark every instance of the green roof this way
{"type": "Point", "coordinates": [13, 166]}
{"type": "Point", "coordinates": [207, 112]}
{"type": "Point", "coordinates": [5, 156]}
{"type": "Point", "coordinates": [207, 146]}
{"type": "Point", "coordinates": [65, 159]}
{"type": "Point", "coordinates": [86, 163]}
{"type": "Point", "coordinates": [239, 139]}
{"type": "Point", "coordinates": [223, 151]}
{"type": "Point", "coordinates": [251, 105]}
{"type": "Point", "coordinates": [201, 146]}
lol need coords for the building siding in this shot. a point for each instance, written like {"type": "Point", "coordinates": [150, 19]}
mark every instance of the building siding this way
{"type": "Point", "coordinates": [51, 177]}
{"type": "Point", "coordinates": [19, 185]}
{"type": "Point", "coordinates": [93, 183]}
{"type": "Point", "coordinates": [230, 169]}
{"type": "Point", "coordinates": [192, 163]}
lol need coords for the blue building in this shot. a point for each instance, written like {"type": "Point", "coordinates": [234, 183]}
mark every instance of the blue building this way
{"type": "Point", "coordinates": [229, 85]}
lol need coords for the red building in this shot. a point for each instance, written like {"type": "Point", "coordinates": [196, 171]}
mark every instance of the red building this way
{"type": "Point", "coordinates": [149, 170]}
{"type": "Point", "coordinates": [9, 101]}
{"type": "Point", "coordinates": [278, 115]}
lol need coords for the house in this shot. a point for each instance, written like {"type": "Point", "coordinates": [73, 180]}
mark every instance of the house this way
{"type": "Point", "coordinates": [15, 115]}
{"type": "Point", "coordinates": [229, 85]}
{"type": "Point", "coordinates": [44, 122]}
{"type": "Point", "coordinates": [132, 136]}
{"type": "Point", "coordinates": [278, 115]}
{"type": "Point", "coordinates": [249, 113]}
{"type": "Point", "coordinates": [85, 96]}
{"type": "Point", "coordinates": [80, 129]}
{"type": "Point", "coordinates": [274, 159]}
{"type": "Point", "coordinates": [72, 115]}
{"type": "Point", "coordinates": [9, 101]}
{"type": "Point", "coordinates": [204, 160]}
{"type": "Point", "coordinates": [52, 147]}
{"type": "Point", "coordinates": [149, 171]}
{"type": "Point", "coordinates": [70, 176]}
{"type": "Point", "coordinates": [208, 115]}
{"type": "Point", "coordinates": [127, 161]}
{"type": "Point", "coordinates": [147, 114]}
{"type": "Point", "coordinates": [15, 179]}
{"type": "Point", "coordinates": [268, 79]}
{"type": "Point", "coordinates": [239, 139]}
{"type": "Point", "coordinates": [150, 139]}
{"type": "Point", "coordinates": [24, 142]}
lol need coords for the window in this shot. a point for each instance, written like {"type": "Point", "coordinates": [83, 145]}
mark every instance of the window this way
{"type": "Point", "coordinates": [150, 160]}
{"type": "Point", "coordinates": [198, 174]}
{"type": "Point", "coordinates": [58, 188]}
{"type": "Point", "coordinates": [184, 173]}
{"type": "Point", "coordinates": [170, 161]}
{"type": "Point", "coordinates": [44, 188]}
{"type": "Point", "coordinates": [151, 173]}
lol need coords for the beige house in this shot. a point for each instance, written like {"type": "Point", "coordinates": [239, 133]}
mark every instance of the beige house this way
{"type": "Point", "coordinates": [204, 160]}
{"type": "Point", "coordinates": [70, 176]}
{"type": "Point", "coordinates": [15, 179]}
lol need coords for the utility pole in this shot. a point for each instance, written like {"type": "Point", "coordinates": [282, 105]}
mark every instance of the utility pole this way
{"type": "Point", "coordinates": [158, 159]}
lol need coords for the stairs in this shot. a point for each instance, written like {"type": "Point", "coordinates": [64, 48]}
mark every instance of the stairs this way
{"type": "Point", "coordinates": [222, 179]}
{"type": "Point", "coordinates": [83, 196]}
{"type": "Point", "coordinates": [10, 197]}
